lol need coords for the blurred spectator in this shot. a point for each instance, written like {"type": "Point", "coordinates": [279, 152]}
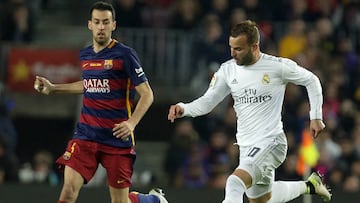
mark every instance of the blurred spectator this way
{"type": "Point", "coordinates": [8, 164]}
{"type": "Point", "coordinates": [194, 170]}
{"type": "Point", "coordinates": [331, 104]}
{"type": "Point", "coordinates": [186, 15]}
{"type": "Point", "coordinates": [356, 136]}
{"type": "Point", "coordinates": [349, 60]}
{"type": "Point", "coordinates": [347, 116]}
{"type": "Point", "coordinates": [128, 13]}
{"type": "Point", "coordinates": [348, 155]}
{"type": "Point", "coordinates": [296, 9]}
{"type": "Point", "coordinates": [336, 177]}
{"type": "Point", "coordinates": [182, 140]}
{"type": "Point", "coordinates": [321, 9]}
{"type": "Point", "coordinates": [18, 22]}
{"type": "Point", "coordinates": [211, 50]}
{"type": "Point", "coordinates": [330, 150]}
{"type": "Point", "coordinates": [291, 102]}
{"type": "Point", "coordinates": [324, 28]}
{"type": "Point", "coordinates": [257, 10]}
{"type": "Point", "coordinates": [349, 23]}
{"type": "Point", "coordinates": [294, 41]}
{"type": "Point", "coordinates": [212, 46]}
{"type": "Point", "coordinates": [7, 128]}
{"type": "Point", "coordinates": [217, 158]}
{"type": "Point", "coordinates": [40, 171]}
{"type": "Point", "coordinates": [156, 13]}
{"type": "Point", "coordinates": [352, 184]}
{"type": "Point", "coordinates": [237, 15]}
{"type": "Point", "coordinates": [220, 8]}
{"type": "Point", "coordinates": [233, 152]}
{"type": "Point", "coordinates": [287, 171]}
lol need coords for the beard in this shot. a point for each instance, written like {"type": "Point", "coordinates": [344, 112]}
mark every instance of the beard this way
{"type": "Point", "coordinates": [101, 40]}
{"type": "Point", "coordinates": [246, 60]}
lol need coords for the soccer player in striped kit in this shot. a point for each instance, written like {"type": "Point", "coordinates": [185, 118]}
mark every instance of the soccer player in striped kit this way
{"type": "Point", "coordinates": [112, 75]}
{"type": "Point", "coordinates": [257, 82]}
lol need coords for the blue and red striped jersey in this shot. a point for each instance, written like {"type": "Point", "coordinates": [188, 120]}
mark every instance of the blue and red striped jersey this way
{"type": "Point", "coordinates": [109, 80]}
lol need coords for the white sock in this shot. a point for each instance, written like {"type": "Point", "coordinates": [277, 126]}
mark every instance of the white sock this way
{"type": "Point", "coordinates": [284, 191]}
{"type": "Point", "coordinates": [234, 190]}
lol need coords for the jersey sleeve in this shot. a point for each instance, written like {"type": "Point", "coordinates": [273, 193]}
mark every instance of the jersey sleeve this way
{"type": "Point", "coordinates": [298, 75]}
{"type": "Point", "coordinates": [133, 67]}
{"type": "Point", "coordinates": [217, 91]}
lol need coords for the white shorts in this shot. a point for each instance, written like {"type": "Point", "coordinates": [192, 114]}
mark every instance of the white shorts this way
{"type": "Point", "coordinates": [260, 161]}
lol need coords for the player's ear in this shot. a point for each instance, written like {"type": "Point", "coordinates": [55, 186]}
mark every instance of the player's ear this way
{"type": "Point", "coordinates": [255, 46]}
{"type": "Point", "coordinates": [114, 25]}
{"type": "Point", "coordinates": [89, 25]}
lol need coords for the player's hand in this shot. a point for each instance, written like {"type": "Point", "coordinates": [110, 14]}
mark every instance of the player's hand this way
{"type": "Point", "coordinates": [43, 85]}
{"type": "Point", "coordinates": [316, 126]}
{"type": "Point", "coordinates": [123, 130]}
{"type": "Point", "coordinates": [175, 111]}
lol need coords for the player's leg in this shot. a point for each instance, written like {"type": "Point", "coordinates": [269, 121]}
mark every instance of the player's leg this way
{"type": "Point", "coordinates": [72, 185]}
{"type": "Point", "coordinates": [281, 191]}
{"type": "Point", "coordinates": [315, 185]}
{"type": "Point", "coordinates": [265, 157]}
{"type": "Point", "coordinates": [119, 168]}
{"type": "Point", "coordinates": [284, 191]}
{"type": "Point", "coordinates": [155, 196]}
{"type": "Point", "coordinates": [256, 167]}
{"type": "Point", "coordinates": [236, 185]}
{"type": "Point", "coordinates": [122, 195]}
{"type": "Point", "coordinates": [79, 164]}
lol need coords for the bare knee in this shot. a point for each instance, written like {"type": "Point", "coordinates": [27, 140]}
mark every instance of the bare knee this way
{"type": "Point", "coordinates": [263, 199]}
{"type": "Point", "coordinates": [119, 195]}
{"type": "Point", "coordinates": [69, 193]}
{"type": "Point", "coordinates": [244, 176]}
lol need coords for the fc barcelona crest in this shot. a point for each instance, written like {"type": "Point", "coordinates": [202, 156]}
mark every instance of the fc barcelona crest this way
{"type": "Point", "coordinates": [108, 64]}
{"type": "Point", "coordinates": [67, 155]}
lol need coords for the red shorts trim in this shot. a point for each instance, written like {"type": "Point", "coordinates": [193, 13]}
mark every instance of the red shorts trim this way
{"type": "Point", "coordinates": [84, 157]}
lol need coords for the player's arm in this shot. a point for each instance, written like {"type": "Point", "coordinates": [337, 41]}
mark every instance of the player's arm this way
{"type": "Point", "coordinates": [124, 129]}
{"type": "Point", "coordinates": [304, 77]}
{"type": "Point", "coordinates": [216, 92]}
{"type": "Point", "coordinates": [44, 86]}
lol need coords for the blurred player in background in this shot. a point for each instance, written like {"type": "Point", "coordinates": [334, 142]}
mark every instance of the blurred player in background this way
{"type": "Point", "coordinates": [112, 75]}
{"type": "Point", "coordinates": [257, 83]}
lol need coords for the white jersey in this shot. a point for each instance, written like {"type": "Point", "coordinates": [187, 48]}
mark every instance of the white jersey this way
{"type": "Point", "coordinates": [258, 94]}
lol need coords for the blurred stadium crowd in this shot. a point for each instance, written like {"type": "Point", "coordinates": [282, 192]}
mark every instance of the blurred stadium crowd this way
{"type": "Point", "coordinates": [320, 35]}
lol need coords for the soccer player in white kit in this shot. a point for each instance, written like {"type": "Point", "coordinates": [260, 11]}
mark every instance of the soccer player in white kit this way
{"type": "Point", "coordinates": [257, 82]}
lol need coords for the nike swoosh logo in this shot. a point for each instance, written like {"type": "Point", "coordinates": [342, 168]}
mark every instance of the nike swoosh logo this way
{"type": "Point", "coordinates": [120, 181]}
{"type": "Point", "coordinates": [85, 64]}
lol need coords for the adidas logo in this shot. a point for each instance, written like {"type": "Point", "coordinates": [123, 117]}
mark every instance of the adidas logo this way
{"type": "Point", "coordinates": [234, 82]}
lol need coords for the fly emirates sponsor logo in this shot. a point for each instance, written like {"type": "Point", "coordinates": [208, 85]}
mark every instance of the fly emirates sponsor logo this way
{"type": "Point", "coordinates": [96, 85]}
{"type": "Point", "coordinates": [250, 97]}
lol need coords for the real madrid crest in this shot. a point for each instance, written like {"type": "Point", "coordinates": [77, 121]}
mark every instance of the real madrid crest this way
{"type": "Point", "coordinates": [265, 79]}
{"type": "Point", "coordinates": [108, 64]}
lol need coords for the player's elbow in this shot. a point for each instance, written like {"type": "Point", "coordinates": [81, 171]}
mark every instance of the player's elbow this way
{"type": "Point", "coordinates": [151, 97]}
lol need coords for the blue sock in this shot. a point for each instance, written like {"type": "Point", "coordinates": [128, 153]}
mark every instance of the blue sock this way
{"type": "Point", "coordinates": [146, 198]}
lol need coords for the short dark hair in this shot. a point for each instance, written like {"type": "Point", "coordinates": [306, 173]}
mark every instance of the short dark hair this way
{"type": "Point", "coordinates": [102, 6]}
{"type": "Point", "coordinates": [249, 28]}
